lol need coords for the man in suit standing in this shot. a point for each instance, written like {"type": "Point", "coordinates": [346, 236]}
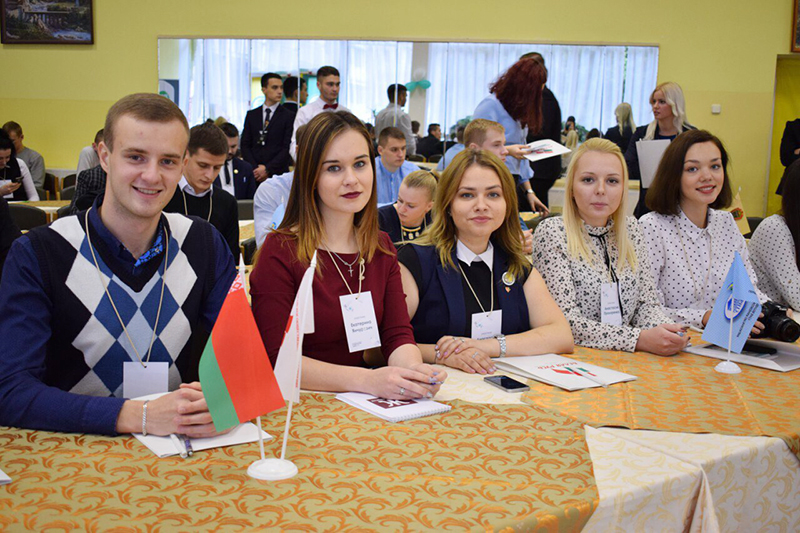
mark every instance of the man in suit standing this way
{"type": "Point", "coordinates": [394, 116]}
{"type": "Point", "coordinates": [295, 96]}
{"type": "Point", "coordinates": [328, 83]}
{"type": "Point", "coordinates": [267, 131]}
{"type": "Point", "coordinates": [236, 176]}
{"type": "Point", "coordinates": [546, 171]}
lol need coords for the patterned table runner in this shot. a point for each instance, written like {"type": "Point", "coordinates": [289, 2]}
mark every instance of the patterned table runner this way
{"type": "Point", "coordinates": [684, 394]}
{"type": "Point", "coordinates": [478, 467]}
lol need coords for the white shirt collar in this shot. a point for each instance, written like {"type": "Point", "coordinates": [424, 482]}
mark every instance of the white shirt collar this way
{"type": "Point", "coordinates": [272, 108]}
{"type": "Point", "coordinates": [188, 189]}
{"type": "Point", "coordinates": [468, 256]}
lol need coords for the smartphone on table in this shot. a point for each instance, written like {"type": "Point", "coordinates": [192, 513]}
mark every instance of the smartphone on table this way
{"type": "Point", "coordinates": [506, 383]}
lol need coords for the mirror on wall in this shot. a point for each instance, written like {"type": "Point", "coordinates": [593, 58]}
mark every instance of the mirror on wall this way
{"type": "Point", "coordinates": [211, 78]}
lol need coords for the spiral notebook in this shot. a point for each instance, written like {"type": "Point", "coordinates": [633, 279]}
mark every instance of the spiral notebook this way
{"type": "Point", "coordinates": [393, 410]}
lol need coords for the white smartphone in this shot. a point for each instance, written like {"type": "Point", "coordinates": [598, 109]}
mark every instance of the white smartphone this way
{"type": "Point", "coordinates": [506, 383]}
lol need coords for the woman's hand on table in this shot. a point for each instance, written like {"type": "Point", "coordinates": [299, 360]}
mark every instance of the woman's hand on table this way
{"type": "Point", "coordinates": [465, 354]}
{"type": "Point", "coordinates": [665, 339]}
{"type": "Point", "coordinates": [400, 383]}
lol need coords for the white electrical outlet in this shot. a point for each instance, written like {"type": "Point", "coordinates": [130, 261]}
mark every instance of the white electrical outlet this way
{"type": "Point", "coordinates": [716, 109]}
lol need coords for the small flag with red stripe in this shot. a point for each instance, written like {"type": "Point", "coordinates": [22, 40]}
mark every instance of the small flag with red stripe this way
{"type": "Point", "coordinates": [235, 373]}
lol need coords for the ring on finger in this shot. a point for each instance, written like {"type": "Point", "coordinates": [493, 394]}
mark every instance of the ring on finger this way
{"type": "Point", "coordinates": [402, 391]}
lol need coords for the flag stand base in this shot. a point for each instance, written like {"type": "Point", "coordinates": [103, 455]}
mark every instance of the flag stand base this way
{"type": "Point", "coordinates": [272, 469]}
{"type": "Point", "coordinates": [728, 367]}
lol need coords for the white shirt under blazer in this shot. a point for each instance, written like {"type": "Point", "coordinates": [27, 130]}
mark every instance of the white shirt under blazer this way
{"type": "Point", "coordinates": [772, 253]}
{"type": "Point", "coordinates": [689, 263]}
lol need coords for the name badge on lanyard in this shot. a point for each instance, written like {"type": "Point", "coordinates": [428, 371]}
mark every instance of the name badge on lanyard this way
{"type": "Point", "coordinates": [487, 325]}
{"type": "Point", "coordinates": [610, 304]}
{"type": "Point", "coordinates": [140, 381]}
{"type": "Point", "coordinates": [360, 323]}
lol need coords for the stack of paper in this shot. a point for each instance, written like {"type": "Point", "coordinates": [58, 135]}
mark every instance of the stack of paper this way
{"type": "Point", "coordinates": [563, 372]}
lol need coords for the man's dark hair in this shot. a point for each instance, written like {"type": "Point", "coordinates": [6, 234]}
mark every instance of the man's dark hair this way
{"type": "Point", "coordinates": [414, 127]}
{"type": "Point", "coordinates": [98, 137]}
{"type": "Point", "coordinates": [326, 71]}
{"type": "Point", "coordinates": [208, 137]}
{"type": "Point", "coordinates": [399, 88]}
{"type": "Point", "coordinates": [432, 127]}
{"type": "Point", "coordinates": [266, 77]}
{"type": "Point", "coordinates": [229, 130]}
{"type": "Point", "coordinates": [290, 86]}
{"type": "Point", "coordinates": [664, 194]}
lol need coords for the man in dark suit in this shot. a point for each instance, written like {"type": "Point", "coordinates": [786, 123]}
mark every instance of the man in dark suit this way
{"type": "Point", "coordinates": [546, 171]}
{"type": "Point", "coordinates": [432, 144]}
{"type": "Point", "coordinates": [295, 96]}
{"type": "Point", "coordinates": [267, 132]}
{"type": "Point", "coordinates": [236, 176]}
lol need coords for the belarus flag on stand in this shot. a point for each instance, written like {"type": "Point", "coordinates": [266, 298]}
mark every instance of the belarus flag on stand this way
{"type": "Point", "coordinates": [235, 372]}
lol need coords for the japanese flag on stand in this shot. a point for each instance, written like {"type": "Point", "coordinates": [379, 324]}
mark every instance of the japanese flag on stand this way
{"type": "Point", "coordinates": [301, 321]}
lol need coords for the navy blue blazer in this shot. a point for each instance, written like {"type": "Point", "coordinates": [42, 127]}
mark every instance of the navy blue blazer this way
{"type": "Point", "coordinates": [274, 153]}
{"type": "Point", "coordinates": [441, 310]}
{"type": "Point", "coordinates": [244, 183]}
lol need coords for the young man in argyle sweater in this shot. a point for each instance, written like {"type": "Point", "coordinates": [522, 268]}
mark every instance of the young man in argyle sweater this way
{"type": "Point", "coordinates": [120, 282]}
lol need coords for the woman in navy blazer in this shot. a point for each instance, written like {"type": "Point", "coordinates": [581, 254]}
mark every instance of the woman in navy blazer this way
{"type": "Point", "coordinates": [468, 264]}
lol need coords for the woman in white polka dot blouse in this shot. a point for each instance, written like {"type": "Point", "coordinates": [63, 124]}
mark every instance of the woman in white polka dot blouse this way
{"type": "Point", "coordinates": [595, 264]}
{"type": "Point", "coordinates": [774, 245]}
{"type": "Point", "coordinates": [691, 243]}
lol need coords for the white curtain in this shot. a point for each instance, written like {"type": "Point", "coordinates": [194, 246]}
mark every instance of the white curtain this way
{"type": "Point", "coordinates": [190, 80]}
{"type": "Point", "coordinates": [371, 67]}
{"type": "Point", "coordinates": [587, 80]}
{"type": "Point", "coordinates": [227, 79]}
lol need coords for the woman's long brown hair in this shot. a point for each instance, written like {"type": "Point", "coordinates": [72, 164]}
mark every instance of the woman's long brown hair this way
{"type": "Point", "coordinates": [303, 219]}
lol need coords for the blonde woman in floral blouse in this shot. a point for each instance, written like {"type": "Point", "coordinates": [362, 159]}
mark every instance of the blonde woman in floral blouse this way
{"type": "Point", "coordinates": [595, 262]}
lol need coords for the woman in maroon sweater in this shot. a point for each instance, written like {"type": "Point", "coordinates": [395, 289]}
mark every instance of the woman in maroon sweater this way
{"type": "Point", "coordinates": [332, 210]}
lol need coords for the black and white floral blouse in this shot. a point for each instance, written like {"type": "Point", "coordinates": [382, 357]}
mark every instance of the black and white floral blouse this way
{"type": "Point", "coordinates": [576, 284]}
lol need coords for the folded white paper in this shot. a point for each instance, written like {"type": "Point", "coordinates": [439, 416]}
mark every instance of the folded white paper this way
{"type": "Point", "coordinates": [241, 434]}
{"type": "Point", "coordinates": [786, 359]}
{"type": "Point", "coordinates": [544, 149]}
{"type": "Point", "coordinates": [563, 372]}
{"type": "Point", "coordinates": [4, 479]}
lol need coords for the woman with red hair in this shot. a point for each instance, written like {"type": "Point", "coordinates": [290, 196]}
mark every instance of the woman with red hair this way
{"type": "Point", "coordinates": [515, 101]}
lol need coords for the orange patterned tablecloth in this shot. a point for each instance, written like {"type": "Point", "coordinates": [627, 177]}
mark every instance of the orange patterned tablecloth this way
{"type": "Point", "coordinates": [683, 394]}
{"type": "Point", "coordinates": [478, 467]}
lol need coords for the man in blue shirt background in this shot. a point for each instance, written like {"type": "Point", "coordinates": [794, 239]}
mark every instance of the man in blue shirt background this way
{"type": "Point", "coordinates": [391, 165]}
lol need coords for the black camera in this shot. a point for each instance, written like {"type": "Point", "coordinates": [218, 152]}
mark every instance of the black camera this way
{"type": "Point", "coordinates": [777, 325]}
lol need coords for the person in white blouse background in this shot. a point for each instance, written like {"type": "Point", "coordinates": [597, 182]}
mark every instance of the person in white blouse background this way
{"type": "Point", "coordinates": [775, 243]}
{"type": "Point", "coordinates": [16, 182]}
{"type": "Point", "coordinates": [595, 262]}
{"type": "Point", "coordinates": [690, 241]}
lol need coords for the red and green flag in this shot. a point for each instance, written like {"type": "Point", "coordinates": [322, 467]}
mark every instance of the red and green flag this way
{"type": "Point", "coordinates": [235, 372]}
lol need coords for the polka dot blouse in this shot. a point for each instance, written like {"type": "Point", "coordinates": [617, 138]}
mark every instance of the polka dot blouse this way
{"type": "Point", "coordinates": [575, 284]}
{"type": "Point", "coordinates": [773, 256]}
{"type": "Point", "coordinates": [690, 263]}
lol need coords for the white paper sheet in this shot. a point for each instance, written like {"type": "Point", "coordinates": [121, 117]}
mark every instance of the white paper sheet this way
{"type": "Point", "coordinates": [241, 434]}
{"type": "Point", "coordinates": [650, 153]}
{"type": "Point", "coordinates": [4, 479]}
{"type": "Point", "coordinates": [544, 149]}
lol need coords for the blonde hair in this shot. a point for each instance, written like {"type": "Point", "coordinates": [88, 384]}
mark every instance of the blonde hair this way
{"type": "Point", "coordinates": [442, 232]}
{"type": "Point", "coordinates": [673, 94]}
{"type": "Point", "coordinates": [576, 234]}
{"type": "Point", "coordinates": [478, 128]}
{"type": "Point", "coordinates": [624, 115]}
{"type": "Point", "coordinates": [422, 179]}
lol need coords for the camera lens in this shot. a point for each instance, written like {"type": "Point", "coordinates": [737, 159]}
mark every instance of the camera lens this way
{"type": "Point", "coordinates": [787, 330]}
